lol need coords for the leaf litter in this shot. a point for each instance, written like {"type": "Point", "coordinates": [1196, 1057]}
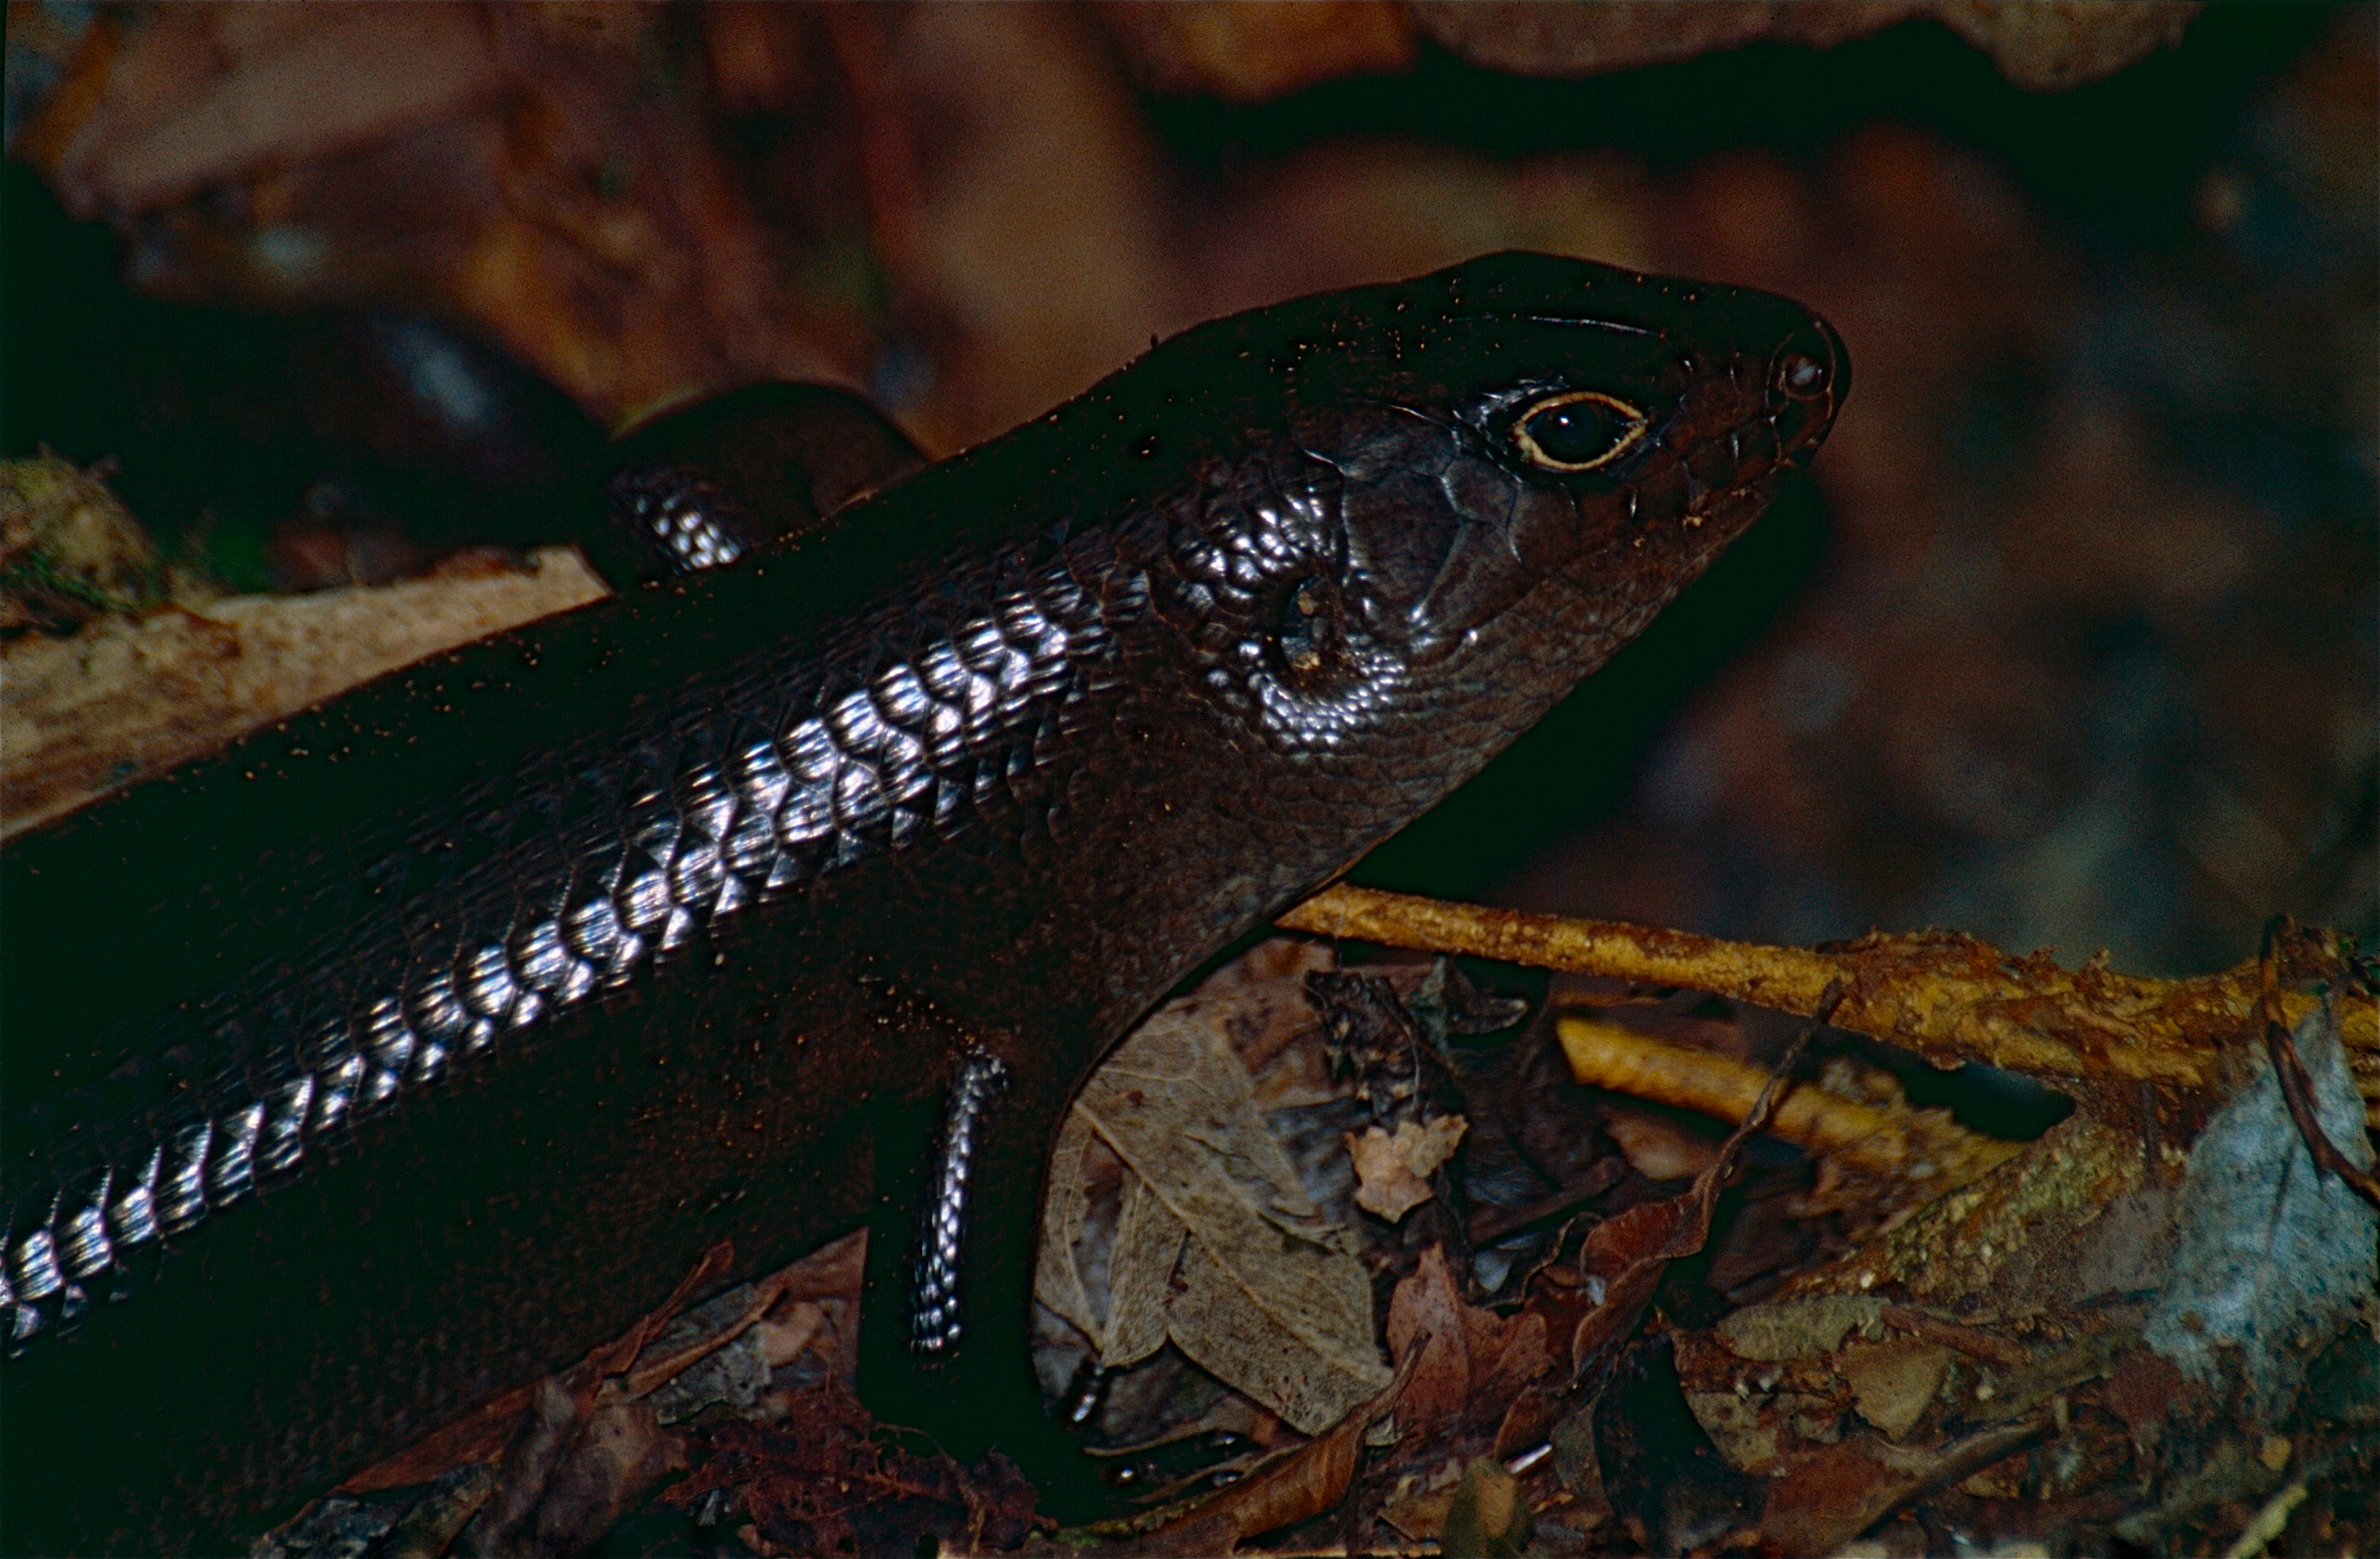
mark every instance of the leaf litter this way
{"type": "Point", "coordinates": [1258, 1286]}
{"type": "Point", "coordinates": [1607, 1323]}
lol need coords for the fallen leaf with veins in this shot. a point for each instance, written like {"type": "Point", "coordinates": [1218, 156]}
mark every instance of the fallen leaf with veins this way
{"type": "Point", "coordinates": [1218, 1246]}
{"type": "Point", "coordinates": [1465, 1362]}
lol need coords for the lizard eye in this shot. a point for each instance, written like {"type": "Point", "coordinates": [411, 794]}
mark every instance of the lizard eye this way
{"type": "Point", "coordinates": [1577, 430]}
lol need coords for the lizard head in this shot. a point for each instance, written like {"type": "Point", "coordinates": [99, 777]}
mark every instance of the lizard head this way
{"type": "Point", "coordinates": [1455, 495]}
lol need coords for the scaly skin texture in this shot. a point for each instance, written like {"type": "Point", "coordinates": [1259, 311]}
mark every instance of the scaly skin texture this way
{"type": "Point", "coordinates": [711, 483]}
{"type": "Point", "coordinates": [458, 1018]}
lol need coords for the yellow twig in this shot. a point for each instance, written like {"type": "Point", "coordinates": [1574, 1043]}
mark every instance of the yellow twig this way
{"type": "Point", "coordinates": [1879, 1141]}
{"type": "Point", "coordinates": [1943, 994]}
{"type": "Point", "coordinates": [2268, 1524]}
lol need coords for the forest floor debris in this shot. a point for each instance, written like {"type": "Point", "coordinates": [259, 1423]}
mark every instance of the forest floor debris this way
{"type": "Point", "coordinates": [2169, 1341]}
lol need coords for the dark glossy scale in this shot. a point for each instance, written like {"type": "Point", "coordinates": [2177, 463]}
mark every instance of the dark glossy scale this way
{"type": "Point", "coordinates": [459, 1018]}
{"type": "Point", "coordinates": [711, 483]}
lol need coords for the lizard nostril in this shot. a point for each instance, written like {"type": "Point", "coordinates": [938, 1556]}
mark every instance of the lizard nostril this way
{"type": "Point", "coordinates": [1804, 368]}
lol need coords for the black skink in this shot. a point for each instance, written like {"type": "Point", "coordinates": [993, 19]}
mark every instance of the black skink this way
{"type": "Point", "coordinates": [400, 1053]}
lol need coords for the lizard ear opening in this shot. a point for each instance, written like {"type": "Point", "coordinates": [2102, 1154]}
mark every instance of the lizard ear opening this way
{"type": "Point", "coordinates": [1302, 631]}
{"type": "Point", "coordinates": [1577, 430]}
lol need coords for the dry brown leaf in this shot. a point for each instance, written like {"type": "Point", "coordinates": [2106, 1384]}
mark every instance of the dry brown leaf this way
{"type": "Point", "coordinates": [1465, 1362]}
{"type": "Point", "coordinates": [724, 1349]}
{"type": "Point", "coordinates": [1393, 1172]}
{"type": "Point", "coordinates": [1141, 1268]}
{"type": "Point", "coordinates": [1265, 1294]}
{"type": "Point", "coordinates": [1236, 1322]}
{"type": "Point", "coordinates": [206, 94]}
{"type": "Point", "coordinates": [484, 1432]}
{"type": "Point", "coordinates": [820, 1481]}
{"type": "Point", "coordinates": [1417, 1505]}
{"type": "Point", "coordinates": [1428, 1338]}
{"type": "Point", "coordinates": [1770, 1379]}
{"type": "Point", "coordinates": [1802, 1327]}
{"type": "Point", "coordinates": [1757, 1412]}
{"type": "Point", "coordinates": [1823, 1499]}
{"type": "Point", "coordinates": [569, 1474]}
{"type": "Point", "coordinates": [1256, 1004]}
{"type": "Point", "coordinates": [1893, 1382]}
{"type": "Point", "coordinates": [1593, 1306]}
{"type": "Point", "coordinates": [1065, 1210]}
{"type": "Point", "coordinates": [2041, 46]}
{"type": "Point", "coordinates": [1258, 1001]}
{"type": "Point", "coordinates": [1748, 1433]}
{"type": "Point", "coordinates": [1295, 1486]}
{"type": "Point", "coordinates": [638, 1361]}
{"type": "Point", "coordinates": [1624, 1257]}
{"type": "Point", "coordinates": [1487, 1518]}
{"type": "Point", "coordinates": [428, 1531]}
{"type": "Point", "coordinates": [1248, 51]}
{"type": "Point", "coordinates": [1624, 1261]}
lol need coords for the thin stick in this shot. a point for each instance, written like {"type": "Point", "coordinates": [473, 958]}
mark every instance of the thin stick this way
{"type": "Point", "coordinates": [1942, 994]}
{"type": "Point", "coordinates": [2281, 934]}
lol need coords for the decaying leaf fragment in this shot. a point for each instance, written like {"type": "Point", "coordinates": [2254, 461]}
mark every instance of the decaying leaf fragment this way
{"type": "Point", "coordinates": [1590, 1307]}
{"type": "Point", "coordinates": [569, 1473]}
{"type": "Point", "coordinates": [2269, 1251]}
{"type": "Point", "coordinates": [1821, 1501]}
{"type": "Point", "coordinates": [1487, 1518]}
{"type": "Point", "coordinates": [1893, 1382]}
{"type": "Point", "coordinates": [1771, 1374]}
{"type": "Point", "coordinates": [1392, 1169]}
{"type": "Point", "coordinates": [1218, 1245]}
{"type": "Point", "coordinates": [550, 1467]}
{"type": "Point", "coordinates": [1465, 1360]}
{"type": "Point", "coordinates": [1248, 53]}
{"type": "Point", "coordinates": [818, 1481]}
{"type": "Point", "coordinates": [1296, 1485]}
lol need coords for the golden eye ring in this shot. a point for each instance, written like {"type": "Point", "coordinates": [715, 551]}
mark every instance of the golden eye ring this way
{"type": "Point", "coordinates": [1578, 431]}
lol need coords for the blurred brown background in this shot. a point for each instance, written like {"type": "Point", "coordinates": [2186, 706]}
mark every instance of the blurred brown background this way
{"type": "Point", "coordinates": [2069, 641]}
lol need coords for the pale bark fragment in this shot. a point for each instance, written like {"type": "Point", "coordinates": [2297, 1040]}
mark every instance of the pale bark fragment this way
{"type": "Point", "coordinates": [129, 697]}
